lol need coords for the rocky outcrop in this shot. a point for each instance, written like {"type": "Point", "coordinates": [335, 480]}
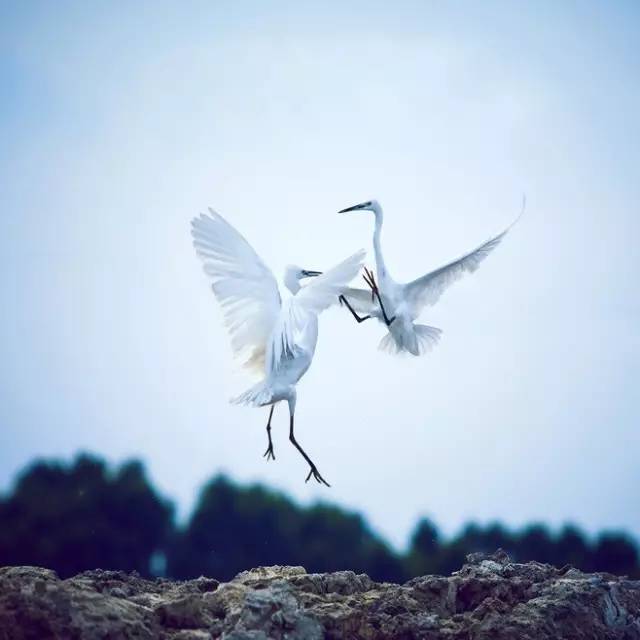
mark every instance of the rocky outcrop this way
{"type": "Point", "coordinates": [489, 598]}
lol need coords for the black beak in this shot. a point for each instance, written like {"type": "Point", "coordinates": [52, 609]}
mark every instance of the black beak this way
{"type": "Point", "coordinates": [311, 274]}
{"type": "Point", "coordinates": [354, 208]}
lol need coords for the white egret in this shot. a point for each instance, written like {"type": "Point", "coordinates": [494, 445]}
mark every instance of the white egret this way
{"type": "Point", "coordinates": [399, 305]}
{"type": "Point", "coordinates": [275, 338]}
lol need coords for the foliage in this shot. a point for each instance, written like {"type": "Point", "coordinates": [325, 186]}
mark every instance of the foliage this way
{"type": "Point", "coordinates": [82, 516]}
{"type": "Point", "coordinates": [611, 552]}
{"type": "Point", "coordinates": [71, 518]}
{"type": "Point", "coordinates": [234, 528]}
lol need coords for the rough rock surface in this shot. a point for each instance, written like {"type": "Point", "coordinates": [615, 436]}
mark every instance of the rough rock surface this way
{"type": "Point", "coordinates": [489, 598]}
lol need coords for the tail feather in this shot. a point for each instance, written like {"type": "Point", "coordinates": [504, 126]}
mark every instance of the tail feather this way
{"type": "Point", "coordinates": [417, 342]}
{"type": "Point", "coordinates": [389, 345]}
{"type": "Point", "coordinates": [256, 396]}
{"type": "Point", "coordinates": [427, 337]}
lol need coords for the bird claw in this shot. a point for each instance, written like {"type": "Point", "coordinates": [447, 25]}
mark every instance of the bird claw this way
{"type": "Point", "coordinates": [375, 292]}
{"type": "Point", "coordinates": [268, 454]}
{"type": "Point", "coordinates": [317, 477]}
{"type": "Point", "coordinates": [371, 282]}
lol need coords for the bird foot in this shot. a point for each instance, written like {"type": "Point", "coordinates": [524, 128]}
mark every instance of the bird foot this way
{"type": "Point", "coordinates": [369, 278]}
{"type": "Point", "coordinates": [316, 476]}
{"type": "Point", "coordinates": [268, 454]}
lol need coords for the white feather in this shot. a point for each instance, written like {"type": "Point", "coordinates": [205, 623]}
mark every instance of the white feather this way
{"type": "Point", "coordinates": [426, 290]}
{"type": "Point", "coordinates": [244, 286]}
{"type": "Point", "coordinates": [399, 305]}
{"type": "Point", "coordinates": [319, 294]}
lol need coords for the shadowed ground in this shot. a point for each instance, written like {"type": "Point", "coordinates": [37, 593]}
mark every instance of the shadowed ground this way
{"type": "Point", "coordinates": [489, 598]}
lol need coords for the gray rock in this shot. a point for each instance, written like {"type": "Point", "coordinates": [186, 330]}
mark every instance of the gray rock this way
{"type": "Point", "coordinates": [490, 598]}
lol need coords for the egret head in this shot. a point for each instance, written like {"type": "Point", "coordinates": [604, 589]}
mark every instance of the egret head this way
{"type": "Point", "coordinates": [369, 205]}
{"type": "Point", "coordinates": [293, 274]}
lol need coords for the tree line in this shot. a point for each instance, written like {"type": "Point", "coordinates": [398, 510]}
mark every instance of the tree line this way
{"type": "Point", "coordinates": [82, 515]}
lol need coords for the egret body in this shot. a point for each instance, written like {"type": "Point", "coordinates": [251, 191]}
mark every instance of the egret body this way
{"type": "Point", "coordinates": [398, 305]}
{"type": "Point", "coordinates": [272, 337]}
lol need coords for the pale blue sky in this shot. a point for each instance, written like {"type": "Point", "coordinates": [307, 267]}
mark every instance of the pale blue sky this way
{"type": "Point", "coordinates": [120, 121]}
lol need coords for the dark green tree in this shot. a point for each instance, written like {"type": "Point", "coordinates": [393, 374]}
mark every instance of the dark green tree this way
{"type": "Point", "coordinates": [477, 539]}
{"type": "Point", "coordinates": [235, 528]}
{"type": "Point", "coordinates": [572, 548]}
{"type": "Point", "coordinates": [425, 553]}
{"type": "Point", "coordinates": [615, 553]}
{"type": "Point", "coordinates": [82, 516]}
{"type": "Point", "coordinates": [535, 543]}
{"type": "Point", "coordinates": [332, 539]}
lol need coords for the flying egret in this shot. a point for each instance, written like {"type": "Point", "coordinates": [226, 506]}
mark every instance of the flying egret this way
{"type": "Point", "coordinates": [399, 305]}
{"type": "Point", "coordinates": [272, 337]}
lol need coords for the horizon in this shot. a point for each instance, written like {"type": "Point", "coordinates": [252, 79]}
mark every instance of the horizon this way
{"type": "Point", "coordinates": [182, 521]}
{"type": "Point", "coordinates": [181, 517]}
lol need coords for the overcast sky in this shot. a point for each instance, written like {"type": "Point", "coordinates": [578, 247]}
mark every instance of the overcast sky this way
{"type": "Point", "coordinates": [121, 121]}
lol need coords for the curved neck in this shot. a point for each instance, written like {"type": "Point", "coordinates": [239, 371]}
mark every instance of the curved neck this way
{"type": "Point", "coordinates": [380, 265]}
{"type": "Point", "coordinates": [291, 282]}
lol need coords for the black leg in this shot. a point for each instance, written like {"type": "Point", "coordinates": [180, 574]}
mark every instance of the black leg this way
{"type": "Point", "coordinates": [370, 280]}
{"type": "Point", "coordinates": [387, 320]}
{"type": "Point", "coordinates": [358, 318]}
{"type": "Point", "coordinates": [314, 471]}
{"type": "Point", "coordinates": [268, 454]}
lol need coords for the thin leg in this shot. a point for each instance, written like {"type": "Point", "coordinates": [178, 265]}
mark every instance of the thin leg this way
{"type": "Point", "coordinates": [370, 280]}
{"type": "Point", "coordinates": [358, 318]}
{"type": "Point", "coordinates": [314, 471]}
{"type": "Point", "coordinates": [268, 454]}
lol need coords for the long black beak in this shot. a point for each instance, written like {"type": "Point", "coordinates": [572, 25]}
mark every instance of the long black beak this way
{"type": "Point", "coordinates": [354, 208]}
{"type": "Point", "coordinates": [311, 274]}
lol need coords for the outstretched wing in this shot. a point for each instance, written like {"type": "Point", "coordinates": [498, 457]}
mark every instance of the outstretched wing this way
{"type": "Point", "coordinates": [244, 286]}
{"type": "Point", "coordinates": [426, 291]}
{"type": "Point", "coordinates": [312, 299]}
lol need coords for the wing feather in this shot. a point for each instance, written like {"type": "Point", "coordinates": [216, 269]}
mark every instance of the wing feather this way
{"type": "Point", "coordinates": [426, 291]}
{"type": "Point", "coordinates": [321, 292]}
{"type": "Point", "coordinates": [244, 286]}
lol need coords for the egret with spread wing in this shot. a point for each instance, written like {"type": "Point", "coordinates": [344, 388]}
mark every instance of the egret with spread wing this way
{"type": "Point", "coordinates": [274, 337]}
{"type": "Point", "coordinates": [399, 305]}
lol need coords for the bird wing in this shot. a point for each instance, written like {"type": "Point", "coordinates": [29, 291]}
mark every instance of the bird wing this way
{"type": "Point", "coordinates": [244, 286]}
{"type": "Point", "coordinates": [426, 291]}
{"type": "Point", "coordinates": [321, 292]}
{"type": "Point", "coordinates": [360, 300]}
